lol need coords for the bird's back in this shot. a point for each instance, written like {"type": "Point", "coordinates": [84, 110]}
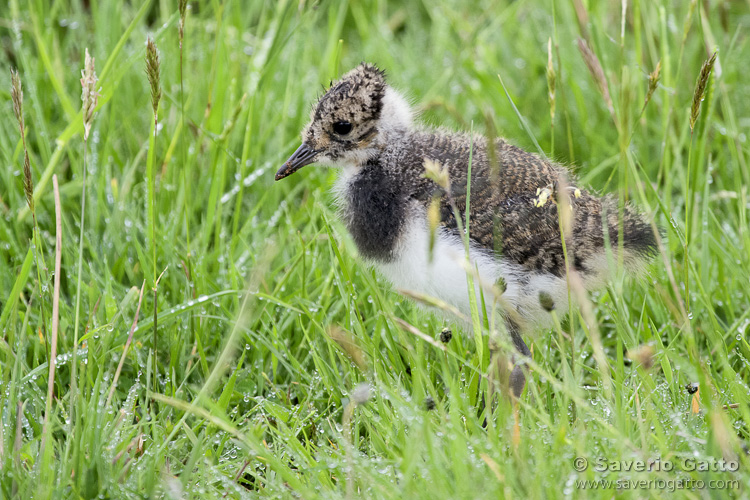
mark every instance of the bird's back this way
{"type": "Point", "coordinates": [513, 203]}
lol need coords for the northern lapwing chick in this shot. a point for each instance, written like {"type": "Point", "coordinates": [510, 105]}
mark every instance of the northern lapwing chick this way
{"type": "Point", "coordinates": [365, 127]}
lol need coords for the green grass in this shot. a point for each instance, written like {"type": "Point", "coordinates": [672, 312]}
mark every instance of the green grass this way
{"type": "Point", "coordinates": [253, 397]}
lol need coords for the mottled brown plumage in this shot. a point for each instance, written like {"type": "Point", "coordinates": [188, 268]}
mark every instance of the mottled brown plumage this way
{"type": "Point", "coordinates": [503, 216]}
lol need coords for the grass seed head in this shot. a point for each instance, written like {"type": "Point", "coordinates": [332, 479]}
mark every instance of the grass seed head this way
{"type": "Point", "coordinates": [546, 301]}
{"type": "Point", "coordinates": [361, 394]}
{"type": "Point", "coordinates": [433, 220]}
{"type": "Point", "coordinates": [551, 80]}
{"type": "Point", "coordinates": [643, 355]}
{"type": "Point", "coordinates": [596, 70]}
{"type": "Point", "coordinates": [89, 93]}
{"type": "Point", "coordinates": [437, 173]}
{"type": "Point", "coordinates": [182, 6]}
{"type": "Point", "coordinates": [16, 93]}
{"type": "Point", "coordinates": [700, 89]}
{"type": "Point", "coordinates": [653, 82]}
{"type": "Point", "coordinates": [28, 183]}
{"type": "Point", "coordinates": [500, 286]}
{"type": "Point", "coordinates": [152, 71]}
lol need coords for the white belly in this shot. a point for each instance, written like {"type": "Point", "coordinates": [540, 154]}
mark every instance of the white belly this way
{"type": "Point", "coordinates": [444, 277]}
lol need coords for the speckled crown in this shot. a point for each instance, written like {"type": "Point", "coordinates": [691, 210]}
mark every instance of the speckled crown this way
{"type": "Point", "coordinates": [364, 85]}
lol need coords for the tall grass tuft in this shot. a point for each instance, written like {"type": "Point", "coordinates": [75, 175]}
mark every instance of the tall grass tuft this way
{"type": "Point", "coordinates": [16, 91]}
{"type": "Point", "coordinates": [89, 101]}
{"type": "Point", "coordinates": [698, 95]}
{"type": "Point", "coordinates": [153, 66]}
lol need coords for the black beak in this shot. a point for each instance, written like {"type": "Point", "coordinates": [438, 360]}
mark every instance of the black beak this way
{"type": "Point", "coordinates": [304, 155]}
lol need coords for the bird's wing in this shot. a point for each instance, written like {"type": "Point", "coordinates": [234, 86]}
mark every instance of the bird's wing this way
{"type": "Point", "coordinates": [504, 212]}
{"type": "Point", "coordinates": [513, 210]}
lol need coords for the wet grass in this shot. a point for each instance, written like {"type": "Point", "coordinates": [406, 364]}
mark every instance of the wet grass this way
{"type": "Point", "coordinates": [268, 324]}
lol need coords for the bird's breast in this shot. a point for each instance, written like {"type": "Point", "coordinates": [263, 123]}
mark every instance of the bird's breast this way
{"type": "Point", "coordinates": [374, 209]}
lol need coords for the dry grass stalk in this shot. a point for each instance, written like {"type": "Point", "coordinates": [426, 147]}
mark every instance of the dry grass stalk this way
{"type": "Point", "coordinates": [419, 333]}
{"type": "Point", "coordinates": [597, 72]}
{"type": "Point", "coordinates": [153, 73]}
{"type": "Point", "coordinates": [348, 343]}
{"type": "Point", "coordinates": [433, 302]}
{"type": "Point", "coordinates": [127, 345]}
{"type": "Point", "coordinates": [700, 89]}
{"type": "Point", "coordinates": [494, 467]}
{"type": "Point", "coordinates": [433, 220]}
{"type": "Point", "coordinates": [89, 93]}
{"type": "Point", "coordinates": [582, 16]}
{"type": "Point", "coordinates": [55, 313]}
{"type": "Point", "coordinates": [18, 439]}
{"type": "Point", "coordinates": [516, 436]}
{"type": "Point", "coordinates": [587, 312]}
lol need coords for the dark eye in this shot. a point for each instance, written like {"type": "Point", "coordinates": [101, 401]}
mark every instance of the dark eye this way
{"type": "Point", "coordinates": [342, 128]}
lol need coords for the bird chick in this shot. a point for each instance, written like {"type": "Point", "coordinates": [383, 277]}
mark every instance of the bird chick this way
{"type": "Point", "coordinates": [365, 127]}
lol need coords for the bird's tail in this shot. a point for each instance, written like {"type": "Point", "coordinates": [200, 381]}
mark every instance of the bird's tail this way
{"type": "Point", "coordinates": [631, 227]}
{"type": "Point", "coordinates": [622, 230]}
